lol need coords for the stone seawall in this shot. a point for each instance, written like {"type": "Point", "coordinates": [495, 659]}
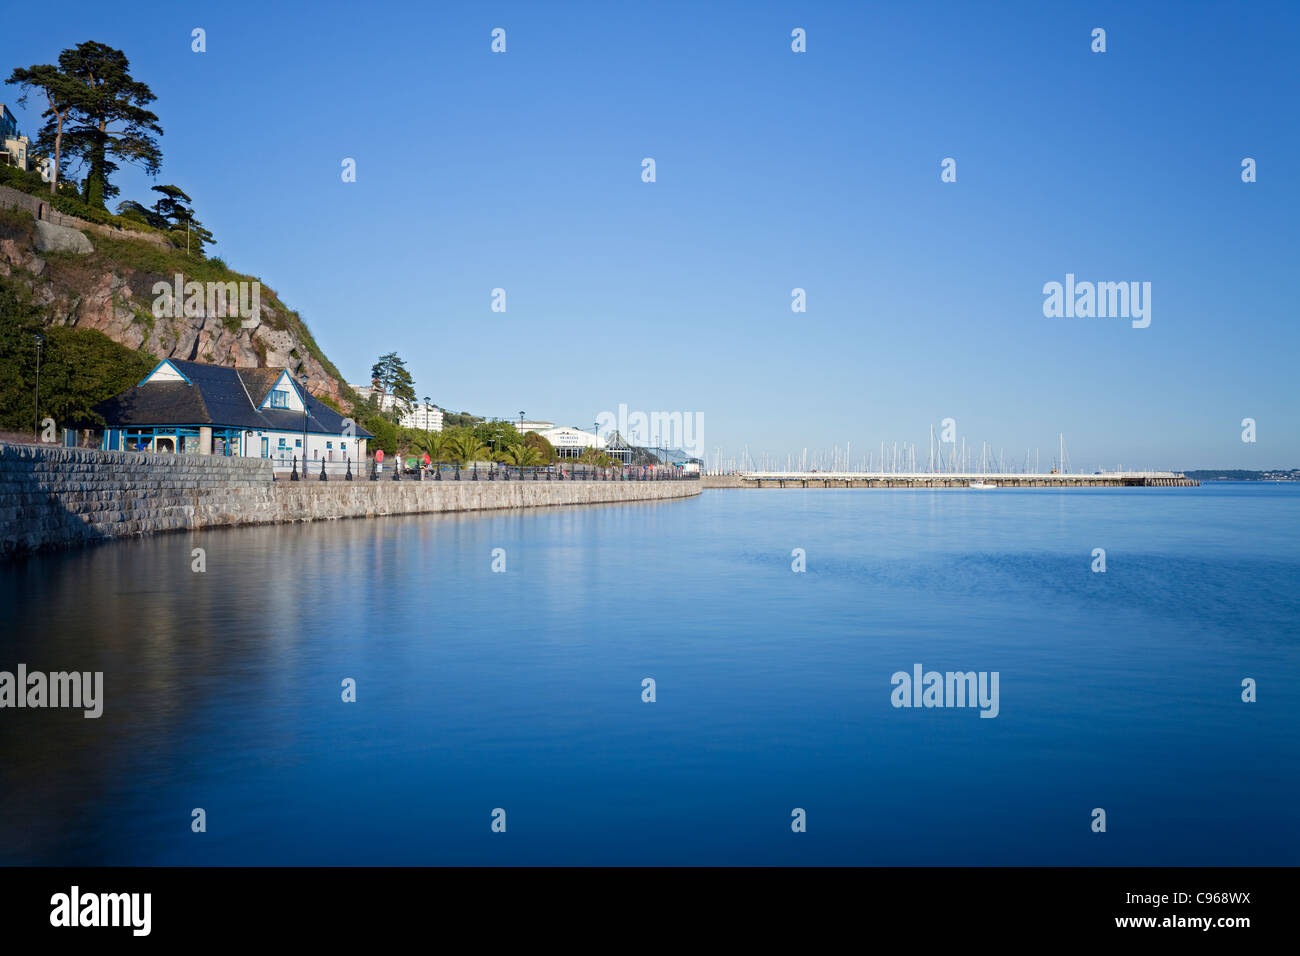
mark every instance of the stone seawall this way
{"type": "Point", "coordinates": [52, 497]}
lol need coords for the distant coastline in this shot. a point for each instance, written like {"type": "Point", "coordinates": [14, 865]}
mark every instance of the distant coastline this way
{"type": "Point", "coordinates": [1238, 474]}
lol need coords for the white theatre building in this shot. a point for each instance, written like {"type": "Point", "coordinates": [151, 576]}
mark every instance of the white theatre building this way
{"type": "Point", "coordinates": [570, 442]}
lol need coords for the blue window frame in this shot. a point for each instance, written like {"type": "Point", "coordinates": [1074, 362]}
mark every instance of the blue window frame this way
{"type": "Point", "coordinates": [279, 399]}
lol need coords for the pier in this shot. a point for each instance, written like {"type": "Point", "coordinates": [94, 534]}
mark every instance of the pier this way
{"type": "Point", "coordinates": [836, 479]}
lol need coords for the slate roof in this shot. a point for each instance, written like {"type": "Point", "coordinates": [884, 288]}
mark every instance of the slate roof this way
{"type": "Point", "coordinates": [220, 396]}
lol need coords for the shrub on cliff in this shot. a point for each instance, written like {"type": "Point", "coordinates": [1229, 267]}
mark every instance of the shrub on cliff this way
{"type": "Point", "coordinates": [24, 180]}
{"type": "Point", "coordinates": [68, 202]}
{"type": "Point", "coordinates": [16, 224]}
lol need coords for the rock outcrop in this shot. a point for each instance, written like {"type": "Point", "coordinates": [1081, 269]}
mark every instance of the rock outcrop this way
{"type": "Point", "coordinates": [108, 284]}
{"type": "Point", "coordinates": [52, 238]}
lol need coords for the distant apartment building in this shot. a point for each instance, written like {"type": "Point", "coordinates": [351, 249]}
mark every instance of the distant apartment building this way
{"type": "Point", "coordinates": [417, 415]}
{"type": "Point", "coordinates": [525, 426]}
{"type": "Point", "coordinates": [16, 147]}
{"type": "Point", "coordinates": [424, 417]}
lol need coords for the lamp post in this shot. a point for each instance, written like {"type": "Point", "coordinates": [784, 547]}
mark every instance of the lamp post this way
{"type": "Point", "coordinates": [427, 441]}
{"type": "Point", "coordinates": [303, 379]}
{"type": "Point", "coordinates": [36, 431]}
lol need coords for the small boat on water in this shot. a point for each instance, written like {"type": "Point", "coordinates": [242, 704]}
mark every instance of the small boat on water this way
{"type": "Point", "coordinates": [981, 484]}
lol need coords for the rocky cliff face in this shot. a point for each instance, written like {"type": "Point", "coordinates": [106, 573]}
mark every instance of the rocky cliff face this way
{"type": "Point", "coordinates": [111, 288]}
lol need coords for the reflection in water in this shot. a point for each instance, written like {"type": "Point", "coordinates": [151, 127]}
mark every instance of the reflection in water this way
{"type": "Point", "coordinates": [522, 690]}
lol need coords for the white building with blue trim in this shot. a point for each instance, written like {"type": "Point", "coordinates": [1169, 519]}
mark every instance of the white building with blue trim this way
{"type": "Point", "coordinates": [194, 408]}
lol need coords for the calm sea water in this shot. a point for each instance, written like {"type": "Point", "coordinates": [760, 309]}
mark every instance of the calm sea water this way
{"type": "Point", "coordinates": [522, 690]}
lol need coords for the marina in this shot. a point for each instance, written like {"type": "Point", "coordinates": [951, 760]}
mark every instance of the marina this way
{"type": "Point", "coordinates": [972, 481]}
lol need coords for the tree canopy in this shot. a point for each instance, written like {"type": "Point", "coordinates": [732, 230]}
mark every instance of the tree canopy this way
{"type": "Point", "coordinates": [96, 116]}
{"type": "Point", "coordinates": [60, 92]}
{"type": "Point", "coordinates": [391, 376]}
{"type": "Point", "coordinates": [109, 119]}
{"type": "Point", "coordinates": [544, 447]}
{"type": "Point", "coordinates": [172, 213]}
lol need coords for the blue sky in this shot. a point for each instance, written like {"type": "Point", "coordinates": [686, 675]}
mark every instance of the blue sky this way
{"type": "Point", "coordinates": [775, 170]}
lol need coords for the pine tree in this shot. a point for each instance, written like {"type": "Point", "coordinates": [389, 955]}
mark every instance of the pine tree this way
{"type": "Point", "coordinates": [109, 117]}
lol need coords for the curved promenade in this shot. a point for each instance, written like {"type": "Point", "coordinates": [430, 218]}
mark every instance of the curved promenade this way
{"type": "Point", "coordinates": [53, 497]}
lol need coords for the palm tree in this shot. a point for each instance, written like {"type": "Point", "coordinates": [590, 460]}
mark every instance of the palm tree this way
{"type": "Point", "coordinates": [592, 456]}
{"type": "Point", "coordinates": [466, 447]}
{"type": "Point", "coordinates": [523, 455]}
{"type": "Point", "coordinates": [436, 444]}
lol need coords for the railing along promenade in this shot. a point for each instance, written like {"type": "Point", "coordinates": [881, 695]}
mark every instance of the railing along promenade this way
{"type": "Point", "coordinates": [286, 469]}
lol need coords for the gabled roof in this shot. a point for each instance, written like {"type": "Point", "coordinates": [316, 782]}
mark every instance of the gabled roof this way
{"type": "Point", "coordinates": [259, 382]}
{"type": "Point", "coordinates": [160, 403]}
{"type": "Point", "coordinates": [220, 396]}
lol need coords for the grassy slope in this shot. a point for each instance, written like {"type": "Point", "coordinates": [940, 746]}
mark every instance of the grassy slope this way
{"type": "Point", "coordinates": [111, 254]}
